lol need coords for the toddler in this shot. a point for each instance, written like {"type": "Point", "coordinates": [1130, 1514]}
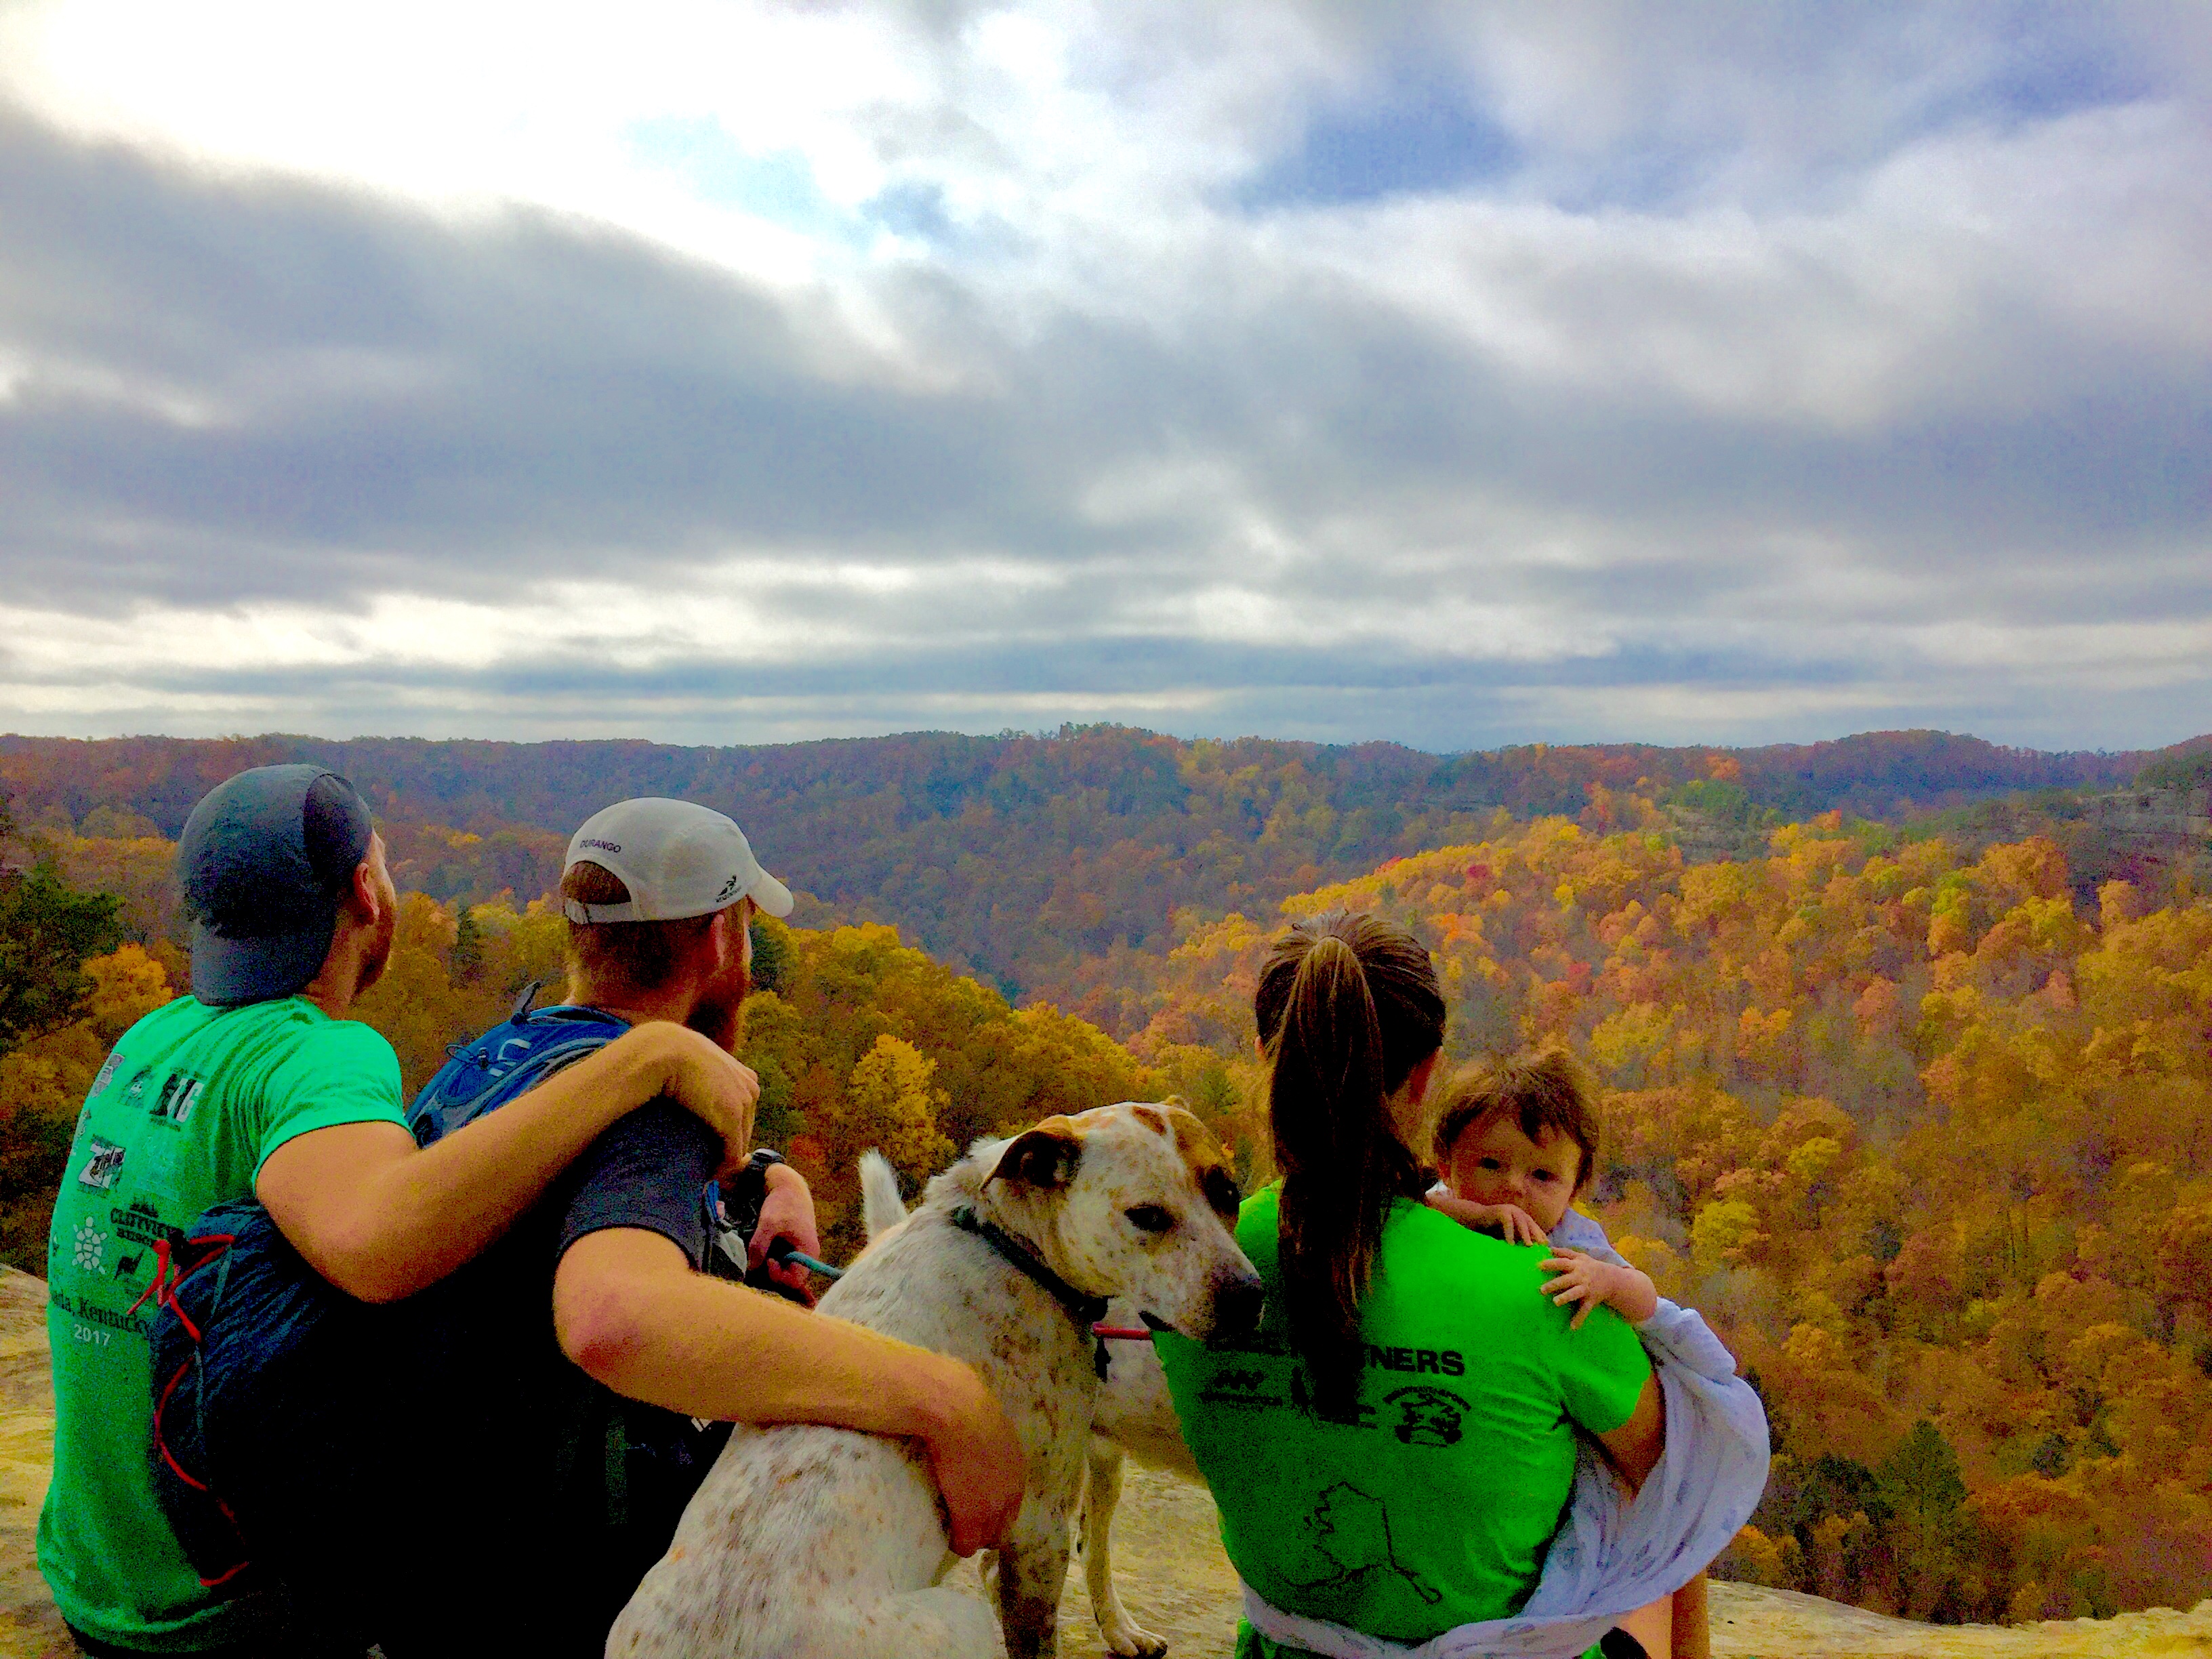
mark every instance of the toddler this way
{"type": "Point", "coordinates": [1517, 1142]}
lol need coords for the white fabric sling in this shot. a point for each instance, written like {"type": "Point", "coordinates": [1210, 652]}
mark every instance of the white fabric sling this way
{"type": "Point", "coordinates": [1610, 1556]}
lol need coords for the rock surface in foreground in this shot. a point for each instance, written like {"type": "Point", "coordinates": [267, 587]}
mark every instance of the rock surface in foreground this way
{"type": "Point", "coordinates": [1172, 1573]}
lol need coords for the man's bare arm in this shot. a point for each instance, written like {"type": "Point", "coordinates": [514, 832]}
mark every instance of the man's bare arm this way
{"type": "Point", "coordinates": [380, 1218]}
{"type": "Point", "coordinates": [630, 1311]}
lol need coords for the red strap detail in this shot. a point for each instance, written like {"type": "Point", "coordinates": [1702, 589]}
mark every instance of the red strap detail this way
{"type": "Point", "coordinates": [161, 1440]}
{"type": "Point", "coordinates": [154, 1287]}
{"type": "Point", "coordinates": [163, 1290]}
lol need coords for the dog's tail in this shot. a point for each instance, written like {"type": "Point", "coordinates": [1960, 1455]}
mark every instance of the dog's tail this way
{"type": "Point", "coordinates": [881, 1207]}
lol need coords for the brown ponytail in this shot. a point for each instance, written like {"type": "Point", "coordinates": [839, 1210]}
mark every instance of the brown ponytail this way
{"type": "Point", "coordinates": [1346, 1007]}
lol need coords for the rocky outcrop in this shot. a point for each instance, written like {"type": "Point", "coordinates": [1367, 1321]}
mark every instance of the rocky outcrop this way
{"type": "Point", "coordinates": [1167, 1548]}
{"type": "Point", "coordinates": [2178, 815]}
{"type": "Point", "coordinates": [30, 1628]}
{"type": "Point", "coordinates": [1705, 839]}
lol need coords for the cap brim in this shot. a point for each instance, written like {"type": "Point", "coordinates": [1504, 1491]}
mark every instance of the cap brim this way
{"type": "Point", "coordinates": [772, 895]}
{"type": "Point", "coordinates": [227, 971]}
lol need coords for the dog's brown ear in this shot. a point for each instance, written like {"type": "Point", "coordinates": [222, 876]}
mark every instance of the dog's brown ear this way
{"type": "Point", "coordinates": [1043, 1156]}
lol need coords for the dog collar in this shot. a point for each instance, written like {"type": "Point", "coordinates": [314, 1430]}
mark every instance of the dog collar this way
{"type": "Point", "coordinates": [1086, 1310]}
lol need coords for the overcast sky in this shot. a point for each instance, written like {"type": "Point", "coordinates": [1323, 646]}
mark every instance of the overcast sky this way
{"type": "Point", "coordinates": [1462, 375]}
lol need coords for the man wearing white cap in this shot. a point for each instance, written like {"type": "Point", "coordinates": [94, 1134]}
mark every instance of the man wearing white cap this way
{"type": "Point", "coordinates": [597, 1310]}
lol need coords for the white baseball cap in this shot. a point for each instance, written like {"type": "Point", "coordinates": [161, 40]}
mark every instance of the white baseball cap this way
{"type": "Point", "coordinates": [677, 859]}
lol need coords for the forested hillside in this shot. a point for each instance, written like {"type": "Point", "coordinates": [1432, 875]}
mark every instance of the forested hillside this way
{"type": "Point", "coordinates": [1929, 1140]}
{"type": "Point", "coordinates": [859, 1041]}
{"type": "Point", "coordinates": [1919, 1111]}
{"type": "Point", "coordinates": [1038, 863]}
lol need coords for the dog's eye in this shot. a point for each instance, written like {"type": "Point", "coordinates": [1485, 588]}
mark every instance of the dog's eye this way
{"type": "Point", "coordinates": [1150, 1218]}
{"type": "Point", "coordinates": [1222, 1194]}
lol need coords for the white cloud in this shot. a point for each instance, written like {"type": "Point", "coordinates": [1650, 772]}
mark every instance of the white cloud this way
{"type": "Point", "coordinates": [735, 337]}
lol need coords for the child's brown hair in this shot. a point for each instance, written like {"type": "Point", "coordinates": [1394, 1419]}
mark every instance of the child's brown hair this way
{"type": "Point", "coordinates": [1544, 1089]}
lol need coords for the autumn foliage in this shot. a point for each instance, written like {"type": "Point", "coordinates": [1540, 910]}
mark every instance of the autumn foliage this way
{"type": "Point", "coordinates": [1056, 866]}
{"type": "Point", "coordinates": [1929, 1142]}
{"type": "Point", "coordinates": [1922, 1122]}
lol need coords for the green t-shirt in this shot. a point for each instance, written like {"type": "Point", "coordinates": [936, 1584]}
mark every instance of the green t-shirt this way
{"type": "Point", "coordinates": [1434, 1507]}
{"type": "Point", "coordinates": [180, 1117]}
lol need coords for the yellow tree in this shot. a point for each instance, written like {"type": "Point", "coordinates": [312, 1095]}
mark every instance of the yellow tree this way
{"type": "Point", "coordinates": [892, 1105]}
{"type": "Point", "coordinates": [43, 1082]}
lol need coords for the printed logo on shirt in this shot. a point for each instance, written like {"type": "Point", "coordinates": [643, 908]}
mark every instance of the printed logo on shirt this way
{"type": "Point", "coordinates": [179, 1094]}
{"type": "Point", "coordinates": [1239, 1387]}
{"type": "Point", "coordinates": [91, 1245]}
{"type": "Point", "coordinates": [102, 1167]}
{"type": "Point", "coordinates": [106, 1073]}
{"type": "Point", "coordinates": [142, 1223]}
{"type": "Point", "coordinates": [1346, 1540]}
{"type": "Point", "coordinates": [1427, 1416]}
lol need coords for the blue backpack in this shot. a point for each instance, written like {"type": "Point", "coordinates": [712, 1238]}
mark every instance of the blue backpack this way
{"type": "Point", "coordinates": [257, 1382]}
{"type": "Point", "coordinates": [507, 1061]}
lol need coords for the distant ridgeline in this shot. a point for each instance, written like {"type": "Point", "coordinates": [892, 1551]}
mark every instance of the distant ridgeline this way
{"type": "Point", "coordinates": [1040, 862]}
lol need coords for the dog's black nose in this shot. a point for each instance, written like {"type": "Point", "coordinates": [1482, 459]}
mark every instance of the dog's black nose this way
{"type": "Point", "coordinates": [1237, 1306]}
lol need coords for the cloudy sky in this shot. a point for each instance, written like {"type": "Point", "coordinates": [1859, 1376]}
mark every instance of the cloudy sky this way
{"type": "Point", "coordinates": [1459, 374]}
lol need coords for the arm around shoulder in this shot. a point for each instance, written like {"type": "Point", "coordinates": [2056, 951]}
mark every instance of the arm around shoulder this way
{"type": "Point", "coordinates": [381, 1218]}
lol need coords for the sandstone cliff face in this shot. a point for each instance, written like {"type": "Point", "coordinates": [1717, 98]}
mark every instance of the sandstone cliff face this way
{"type": "Point", "coordinates": [2180, 815]}
{"type": "Point", "coordinates": [1167, 1550]}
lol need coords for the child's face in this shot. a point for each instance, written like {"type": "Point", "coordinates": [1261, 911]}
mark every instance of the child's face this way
{"type": "Point", "coordinates": [1493, 1161]}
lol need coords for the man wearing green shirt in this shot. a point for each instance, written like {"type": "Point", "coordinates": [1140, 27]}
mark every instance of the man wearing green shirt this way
{"type": "Point", "coordinates": [258, 1085]}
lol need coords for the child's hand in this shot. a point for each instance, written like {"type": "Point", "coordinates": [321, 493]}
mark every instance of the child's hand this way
{"type": "Point", "coordinates": [1511, 1221]}
{"type": "Point", "coordinates": [1582, 1279]}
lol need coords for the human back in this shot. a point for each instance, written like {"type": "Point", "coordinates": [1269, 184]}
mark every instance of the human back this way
{"type": "Point", "coordinates": [285, 879]}
{"type": "Point", "coordinates": [191, 1101]}
{"type": "Point", "coordinates": [1428, 1503]}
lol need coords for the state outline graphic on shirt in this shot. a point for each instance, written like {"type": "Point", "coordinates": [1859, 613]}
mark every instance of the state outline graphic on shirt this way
{"type": "Point", "coordinates": [1347, 1535]}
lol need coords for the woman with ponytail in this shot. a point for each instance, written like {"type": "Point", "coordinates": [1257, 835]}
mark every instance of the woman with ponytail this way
{"type": "Point", "coordinates": [1392, 1451]}
{"type": "Point", "coordinates": [1352, 1022]}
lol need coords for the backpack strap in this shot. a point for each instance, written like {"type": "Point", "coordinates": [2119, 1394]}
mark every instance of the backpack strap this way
{"type": "Point", "coordinates": [520, 1012]}
{"type": "Point", "coordinates": [509, 1060]}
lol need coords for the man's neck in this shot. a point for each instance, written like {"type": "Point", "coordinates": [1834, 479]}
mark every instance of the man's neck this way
{"type": "Point", "coordinates": [333, 990]}
{"type": "Point", "coordinates": [636, 1006]}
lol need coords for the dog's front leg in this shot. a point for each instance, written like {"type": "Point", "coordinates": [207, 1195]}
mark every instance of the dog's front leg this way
{"type": "Point", "coordinates": [1031, 1570]}
{"type": "Point", "coordinates": [1123, 1636]}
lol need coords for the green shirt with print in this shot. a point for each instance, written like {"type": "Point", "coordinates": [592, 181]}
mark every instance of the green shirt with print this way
{"type": "Point", "coordinates": [1429, 1505]}
{"type": "Point", "coordinates": [182, 1115]}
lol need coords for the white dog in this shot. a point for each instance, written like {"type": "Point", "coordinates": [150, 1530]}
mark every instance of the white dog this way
{"type": "Point", "coordinates": [817, 1543]}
